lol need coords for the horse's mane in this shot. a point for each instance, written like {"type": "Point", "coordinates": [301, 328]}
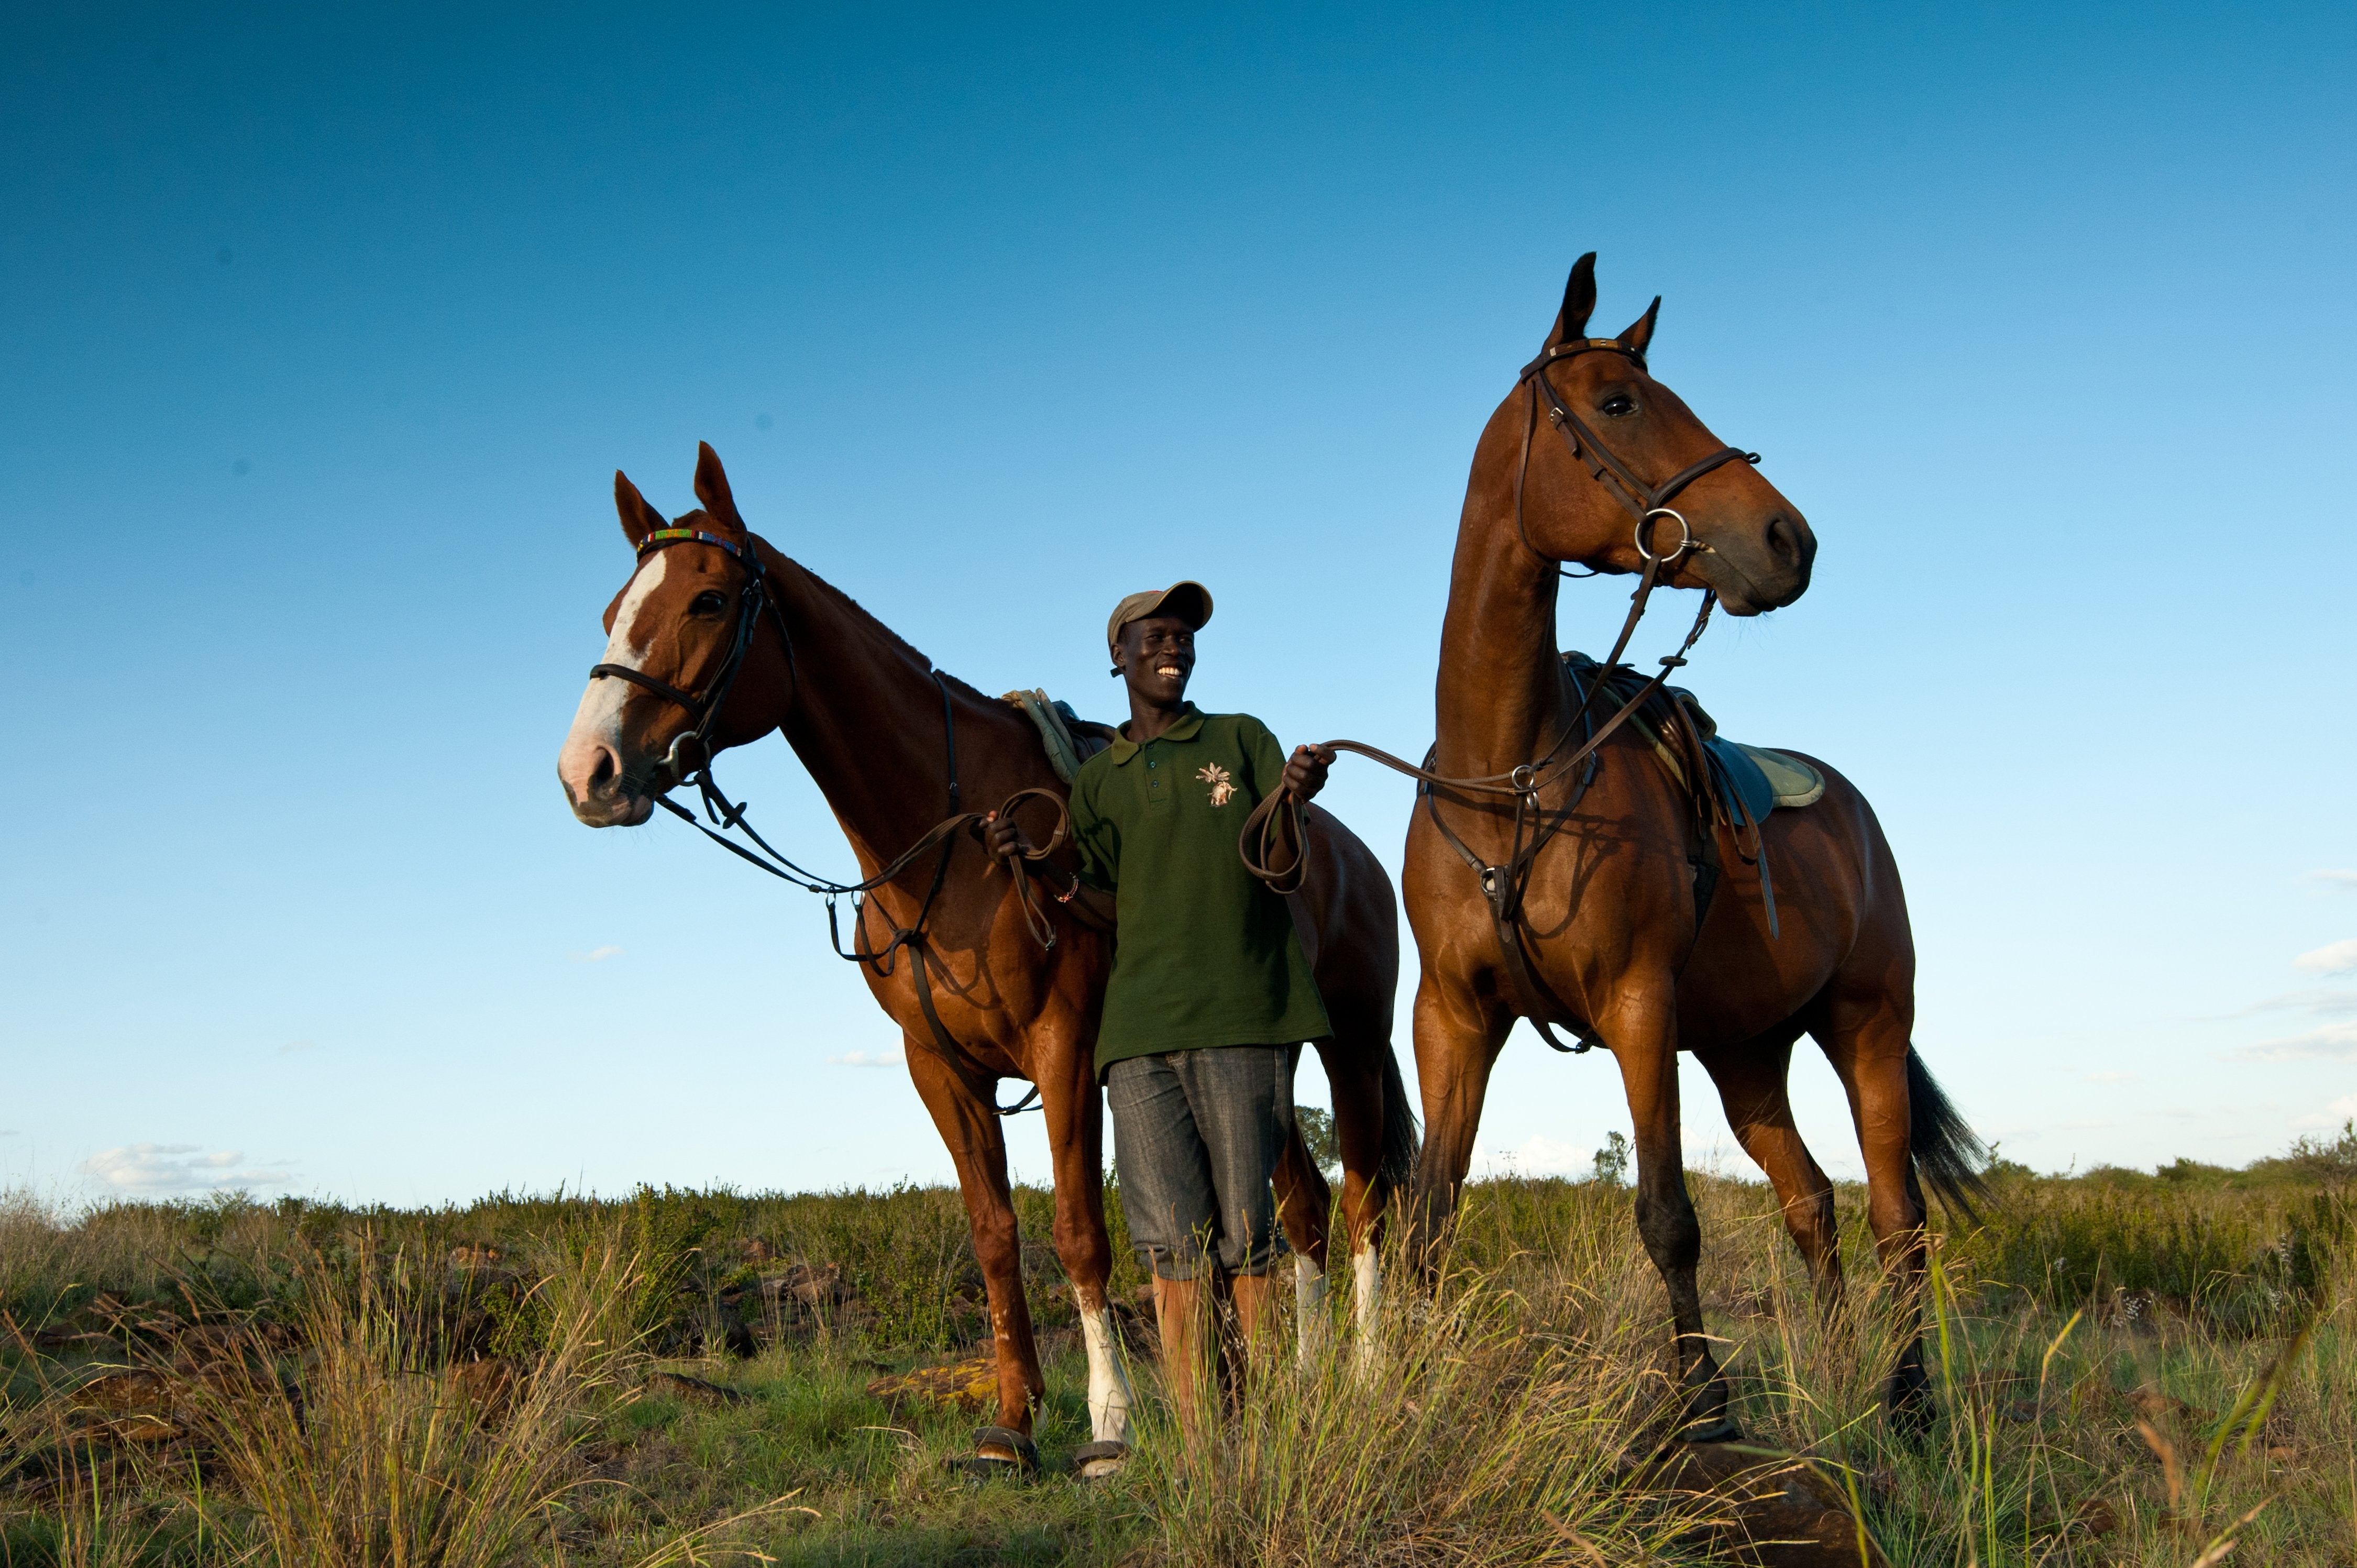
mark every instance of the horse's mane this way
{"type": "Point", "coordinates": [893, 641]}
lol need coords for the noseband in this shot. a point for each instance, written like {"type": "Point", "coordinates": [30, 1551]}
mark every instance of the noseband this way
{"type": "Point", "coordinates": [703, 708]}
{"type": "Point", "coordinates": [1643, 501]}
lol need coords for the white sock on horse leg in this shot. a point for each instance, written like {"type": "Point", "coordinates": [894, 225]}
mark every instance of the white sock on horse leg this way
{"type": "Point", "coordinates": [1312, 1324]}
{"type": "Point", "coordinates": [1366, 1293]}
{"type": "Point", "coordinates": [1109, 1396]}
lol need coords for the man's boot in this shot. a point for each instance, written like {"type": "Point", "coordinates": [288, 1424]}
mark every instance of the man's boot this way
{"type": "Point", "coordinates": [1178, 1314]}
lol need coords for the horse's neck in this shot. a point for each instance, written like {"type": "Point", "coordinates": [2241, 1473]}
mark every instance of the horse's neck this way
{"type": "Point", "coordinates": [867, 722]}
{"type": "Point", "coordinates": [1499, 692]}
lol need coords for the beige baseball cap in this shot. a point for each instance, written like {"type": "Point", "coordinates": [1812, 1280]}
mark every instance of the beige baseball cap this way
{"type": "Point", "coordinates": [1190, 602]}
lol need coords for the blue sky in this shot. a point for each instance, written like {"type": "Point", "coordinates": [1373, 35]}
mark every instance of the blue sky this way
{"type": "Point", "coordinates": [325, 329]}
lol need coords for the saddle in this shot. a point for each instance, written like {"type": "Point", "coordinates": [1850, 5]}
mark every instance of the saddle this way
{"type": "Point", "coordinates": [1759, 779]}
{"type": "Point", "coordinates": [1067, 738]}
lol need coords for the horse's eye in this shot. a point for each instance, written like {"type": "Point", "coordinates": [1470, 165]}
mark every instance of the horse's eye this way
{"type": "Point", "coordinates": [1620, 405]}
{"type": "Point", "coordinates": [707, 603]}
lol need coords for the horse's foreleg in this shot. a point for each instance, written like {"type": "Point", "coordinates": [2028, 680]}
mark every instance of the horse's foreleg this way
{"type": "Point", "coordinates": [1643, 1033]}
{"type": "Point", "coordinates": [1751, 1086]}
{"type": "Point", "coordinates": [978, 1145]}
{"type": "Point", "coordinates": [1457, 1037]}
{"type": "Point", "coordinates": [1074, 1112]}
{"type": "Point", "coordinates": [1866, 1042]}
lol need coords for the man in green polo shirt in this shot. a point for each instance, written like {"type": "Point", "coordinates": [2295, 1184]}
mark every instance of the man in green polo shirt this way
{"type": "Point", "coordinates": [1210, 998]}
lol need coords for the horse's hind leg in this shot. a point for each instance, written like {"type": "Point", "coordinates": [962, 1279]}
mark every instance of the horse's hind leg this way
{"type": "Point", "coordinates": [1355, 1074]}
{"type": "Point", "coordinates": [1751, 1086]}
{"type": "Point", "coordinates": [1304, 1202]}
{"type": "Point", "coordinates": [1866, 1037]}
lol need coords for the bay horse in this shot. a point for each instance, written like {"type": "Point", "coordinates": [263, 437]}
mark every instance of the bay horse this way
{"type": "Point", "coordinates": [716, 639]}
{"type": "Point", "coordinates": [1618, 935]}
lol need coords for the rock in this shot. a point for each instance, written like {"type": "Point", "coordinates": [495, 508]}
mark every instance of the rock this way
{"type": "Point", "coordinates": [2154, 1405]}
{"type": "Point", "coordinates": [970, 1385]}
{"type": "Point", "coordinates": [1788, 1513]}
{"type": "Point", "coordinates": [696, 1390]}
{"type": "Point", "coordinates": [144, 1428]}
{"type": "Point", "coordinates": [124, 1390]}
{"type": "Point", "coordinates": [490, 1386]}
{"type": "Point", "coordinates": [814, 1286]}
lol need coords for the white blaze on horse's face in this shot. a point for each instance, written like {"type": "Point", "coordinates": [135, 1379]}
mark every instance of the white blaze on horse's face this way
{"type": "Point", "coordinates": [591, 763]}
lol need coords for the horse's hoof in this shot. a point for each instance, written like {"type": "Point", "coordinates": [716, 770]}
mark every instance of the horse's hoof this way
{"type": "Point", "coordinates": [1099, 1461]}
{"type": "Point", "coordinates": [1019, 1456]}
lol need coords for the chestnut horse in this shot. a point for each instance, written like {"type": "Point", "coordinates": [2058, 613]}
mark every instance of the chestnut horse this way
{"type": "Point", "coordinates": [867, 714]}
{"type": "Point", "coordinates": [1572, 468]}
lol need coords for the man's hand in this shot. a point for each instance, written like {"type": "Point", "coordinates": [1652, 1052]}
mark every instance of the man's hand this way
{"type": "Point", "coordinates": [1003, 838]}
{"type": "Point", "coordinates": [1305, 771]}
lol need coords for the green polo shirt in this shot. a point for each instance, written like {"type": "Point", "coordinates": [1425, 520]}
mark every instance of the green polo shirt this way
{"type": "Point", "coordinates": [1205, 955]}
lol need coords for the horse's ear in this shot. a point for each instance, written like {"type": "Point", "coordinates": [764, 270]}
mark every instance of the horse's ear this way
{"type": "Point", "coordinates": [1578, 300]}
{"type": "Point", "coordinates": [711, 487]}
{"type": "Point", "coordinates": [1640, 335]}
{"type": "Point", "coordinates": [639, 519]}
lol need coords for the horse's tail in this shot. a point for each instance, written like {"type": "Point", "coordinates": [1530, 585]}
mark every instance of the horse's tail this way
{"type": "Point", "coordinates": [1949, 1157]}
{"type": "Point", "coordinates": [1403, 1138]}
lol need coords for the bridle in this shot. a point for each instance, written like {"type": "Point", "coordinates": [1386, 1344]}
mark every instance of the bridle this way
{"type": "Point", "coordinates": [1643, 501]}
{"type": "Point", "coordinates": [1505, 884]}
{"type": "Point", "coordinates": [703, 708]}
{"type": "Point", "coordinates": [681, 765]}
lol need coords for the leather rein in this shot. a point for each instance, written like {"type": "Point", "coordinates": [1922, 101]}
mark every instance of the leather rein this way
{"type": "Point", "coordinates": [689, 761]}
{"type": "Point", "coordinates": [1503, 885]}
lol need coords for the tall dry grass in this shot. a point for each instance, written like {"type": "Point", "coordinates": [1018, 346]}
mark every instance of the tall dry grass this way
{"type": "Point", "coordinates": [1507, 1418]}
{"type": "Point", "coordinates": [373, 1450]}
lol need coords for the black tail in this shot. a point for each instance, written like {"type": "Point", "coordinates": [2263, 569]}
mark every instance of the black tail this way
{"type": "Point", "coordinates": [1403, 1137]}
{"type": "Point", "coordinates": [1949, 1156]}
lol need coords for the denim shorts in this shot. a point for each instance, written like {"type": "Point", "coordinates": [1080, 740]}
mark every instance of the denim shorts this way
{"type": "Point", "coordinates": [1197, 1134]}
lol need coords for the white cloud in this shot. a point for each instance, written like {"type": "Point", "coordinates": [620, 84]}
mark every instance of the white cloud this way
{"type": "Point", "coordinates": [145, 1169]}
{"type": "Point", "coordinates": [2342, 1110]}
{"type": "Point", "coordinates": [2110, 1077]}
{"type": "Point", "coordinates": [1540, 1156]}
{"type": "Point", "coordinates": [2334, 1042]}
{"type": "Point", "coordinates": [2346, 881]}
{"type": "Point", "coordinates": [2322, 1001]}
{"type": "Point", "coordinates": [597, 955]}
{"type": "Point", "coordinates": [2334, 958]}
{"type": "Point", "coordinates": [869, 1059]}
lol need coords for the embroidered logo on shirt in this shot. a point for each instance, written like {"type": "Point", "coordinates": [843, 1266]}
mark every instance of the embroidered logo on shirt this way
{"type": "Point", "coordinates": [1223, 788]}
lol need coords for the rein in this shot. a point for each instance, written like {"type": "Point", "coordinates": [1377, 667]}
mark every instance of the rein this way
{"type": "Point", "coordinates": [1503, 885]}
{"type": "Point", "coordinates": [679, 766]}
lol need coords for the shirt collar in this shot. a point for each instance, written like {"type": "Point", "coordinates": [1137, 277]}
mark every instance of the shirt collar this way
{"type": "Point", "coordinates": [1190, 721]}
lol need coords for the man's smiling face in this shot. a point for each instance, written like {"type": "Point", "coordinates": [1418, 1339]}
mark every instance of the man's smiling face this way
{"type": "Point", "coordinates": [1158, 655]}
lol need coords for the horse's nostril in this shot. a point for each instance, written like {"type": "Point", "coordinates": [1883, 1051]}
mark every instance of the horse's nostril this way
{"type": "Point", "coordinates": [601, 777]}
{"type": "Point", "coordinates": [1785, 540]}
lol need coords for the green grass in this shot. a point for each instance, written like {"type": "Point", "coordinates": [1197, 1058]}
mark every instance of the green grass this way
{"type": "Point", "coordinates": [2131, 1369]}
